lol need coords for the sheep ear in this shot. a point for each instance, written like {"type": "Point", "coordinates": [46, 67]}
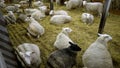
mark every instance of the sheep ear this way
{"type": "Point", "coordinates": [99, 34]}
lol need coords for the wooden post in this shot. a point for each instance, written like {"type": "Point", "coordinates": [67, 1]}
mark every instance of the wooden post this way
{"type": "Point", "coordinates": [51, 5]}
{"type": "Point", "coordinates": [104, 16]}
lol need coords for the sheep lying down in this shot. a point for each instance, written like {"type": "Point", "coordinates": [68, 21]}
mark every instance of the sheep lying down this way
{"type": "Point", "coordinates": [30, 53]}
{"type": "Point", "coordinates": [63, 58]}
{"type": "Point", "coordinates": [60, 19]}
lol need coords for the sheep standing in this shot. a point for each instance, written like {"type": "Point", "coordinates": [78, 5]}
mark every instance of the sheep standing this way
{"type": "Point", "coordinates": [73, 4]}
{"type": "Point", "coordinates": [87, 18]}
{"type": "Point", "coordinates": [97, 55]}
{"type": "Point", "coordinates": [58, 12]}
{"type": "Point", "coordinates": [60, 19]}
{"type": "Point", "coordinates": [63, 38]}
{"type": "Point", "coordinates": [63, 58]}
{"type": "Point", "coordinates": [93, 7]}
{"type": "Point", "coordinates": [34, 27]}
{"type": "Point", "coordinates": [10, 17]}
{"type": "Point", "coordinates": [14, 8]}
{"type": "Point", "coordinates": [30, 53]}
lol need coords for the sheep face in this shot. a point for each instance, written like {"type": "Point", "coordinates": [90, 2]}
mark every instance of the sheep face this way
{"type": "Point", "coordinates": [67, 29]}
{"type": "Point", "coordinates": [26, 56]}
{"type": "Point", "coordinates": [74, 47]}
{"type": "Point", "coordinates": [105, 37]}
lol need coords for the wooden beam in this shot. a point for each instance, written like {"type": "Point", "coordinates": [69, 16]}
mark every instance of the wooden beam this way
{"type": "Point", "coordinates": [104, 16]}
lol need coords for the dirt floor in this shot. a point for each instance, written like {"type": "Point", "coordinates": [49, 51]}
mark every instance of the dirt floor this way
{"type": "Point", "coordinates": [82, 34]}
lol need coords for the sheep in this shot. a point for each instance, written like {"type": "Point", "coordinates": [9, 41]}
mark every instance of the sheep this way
{"type": "Point", "coordinates": [2, 5]}
{"type": "Point", "coordinates": [97, 55]}
{"type": "Point", "coordinates": [93, 7]}
{"type": "Point", "coordinates": [34, 27]}
{"type": "Point", "coordinates": [38, 3]}
{"type": "Point", "coordinates": [14, 8]}
{"type": "Point", "coordinates": [73, 4]}
{"type": "Point", "coordinates": [60, 19]}
{"type": "Point", "coordinates": [44, 9]}
{"type": "Point", "coordinates": [29, 11]}
{"type": "Point", "coordinates": [62, 38]}
{"type": "Point", "coordinates": [10, 17]}
{"type": "Point", "coordinates": [38, 15]}
{"type": "Point", "coordinates": [30, 53]}
{"type": "Point", "coordinates": [87, 18]}
{"type": "Point", "coordinates": [21, 17]}
{"type": "Point", "coordinates": [63, 58]}
{"type": "Point", "coordinates": [58, 12]}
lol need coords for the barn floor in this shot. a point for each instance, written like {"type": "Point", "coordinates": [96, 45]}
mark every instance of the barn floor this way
{"type": "Point", "coordinates": [82, 34]}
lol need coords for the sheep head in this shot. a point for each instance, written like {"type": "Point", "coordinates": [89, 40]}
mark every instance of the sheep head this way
{"type": "Point", "coordinates": [27, 56]}
{"type": "Point", "coordinates": [105, 37]}
{"type": "Point", "coordinates": [66, 30]}
{"type": "Point", "coordinates": [74, 47]}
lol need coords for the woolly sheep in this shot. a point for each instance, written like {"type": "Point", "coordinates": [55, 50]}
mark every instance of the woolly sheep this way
{"type": "Point", "coordinates": [60, 19]}
{"type": "Point", "coordinates": [63, 38]}
{"type": "Point", "coordinates": [87, 18]}
{"type": "Point", "coordinates": [73, 4]}
{"type": "Point", "coordinates": [2, 5]}
{"type": "Point", "coordinates": [34, 27]}
{"type": "Point", "coordinates": [58, 12]}
{"type": "Point", "coordinates": [93, 7]}
{"type": "Point", "coordinates": [97, 55]}
{"type": "Point", "coordinates": [38, 3]}
{"type": "Point", "coordinates": [14, 8]}
{"type": "Point", "coordinates": [29, 11]}
{"type": "Point", "coordinates": [63, 58]}
{"type": "Point", "coordinates": [30, 53]}
{"type": "Point", "coordinates": [38, 15]}
{"type": "Point", "coordinates": [10, 17]}
{"type": "Point", "coordinates": [44, 9]}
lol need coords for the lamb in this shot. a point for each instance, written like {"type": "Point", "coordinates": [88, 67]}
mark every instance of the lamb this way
{"type": "Point", "coordinates": [34, 28]}
{"type": "Point", "coordinates": [93, 7]}
{"type": "Point", "coordinates": [60, 19]}
{"type": "Point", "coordinates": [73, 4]}
{"type": "Point", "coordinates": [14, 8]}
{"type": "Point", "coordinates": [63, 58]}
{"type": "Point", "coordinates": [30, 53]}
{"type": "Point", "coordinates": [58, 12]}
{"type": "Point", "coordinates": [87, 18]}
{"type": "Point", "coordinates": [10, 17]}
{"type": "Point", "coordinates": [97, 55]}
{"type": "Point", "coordinates": [63, 38]}
{"type": "Point", "coordinates": [38, 3]}
{"type": "Point", "coordinates": [38, 15]}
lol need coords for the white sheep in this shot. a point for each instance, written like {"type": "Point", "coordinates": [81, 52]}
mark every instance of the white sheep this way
{"type": "Point", "coordinates": [63, 58]}
{"type": "Point", "coordinates": [62, 38]}
{"type": "Point", "coordinates": [30, 53]}
{"type": "Point", "coordinates": [87, 18]}
{"type": "Point", "coordinates": [44, 9]}
{"type": "Point", "coordinates": [60, 19]}
{"type": "Point", "coordinates": [34, 27]}
{"type": "Point", "coordinates": [73, 4]}
{"type": "Point", "coordinates": [14, 8]}
{"type": "Point", "coordinates": [58, 12]}
{"type": "Point", "coordinates": [93, 7]}
{"type": "Point", "coordinates": [38, 15]}
{"type": "Point", "coordinates": [29, 11]}
{"type": "Point", "coordinates": [38, 3]}
{"type": "Point", "coordinates": [2, 5]}
{"type": "Point", "coordinates": [97, 55]}
{"type": "Point", "coordinates": [10, 17]}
